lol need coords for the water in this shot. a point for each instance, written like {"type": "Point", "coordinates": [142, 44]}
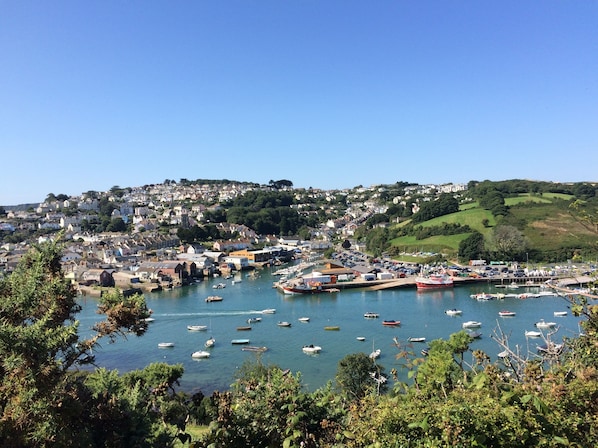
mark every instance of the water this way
{"type": "Point", "coordinates": [421, 315]}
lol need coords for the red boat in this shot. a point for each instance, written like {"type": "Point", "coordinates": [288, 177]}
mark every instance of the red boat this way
{"type": "Point", "coordinates": [391, 323]}
{"type": "Point", "coordinates": [434, 281]}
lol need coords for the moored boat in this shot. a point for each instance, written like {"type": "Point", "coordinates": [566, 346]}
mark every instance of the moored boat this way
{"type": "Point", "coordinates": [533, 334]}
{"type": "Point", "coordinates": [560, 313]}
{"type": "Point", "coordinates": [434, 281]}
{"type": "Point", "coordinates": [391, 323]}
{"type": "Point", "coordinates": [284, 323]}
{"type": "Point", "coordinates": [420, 339]}
{"type": "Point", "coordinates": [471, 324]}
{"type": "Point", "coordinates": [244, 328]}
{"type": "Point", "coordinates": [213, 299]}
{"type": "Point", "coordinates": [197, 327]}
{"type": "Point", "coordinates": [166, 344]}
{"type": "Point", "coordinates": [311, 349]}
{"type": "Point", "coordinates": [254, 320]}
{"type": "Point", "coordinates": [303, 319]}
{"type": "Point", "coordinates": [200, 354]}
{"type": "Point", "coordinates": [360, 338]}
{"type": "Point", "coordinates": [332, 328]}
{"type": "Point", "coordinates": [545, 325]}
{"type": "Point", "coordinates": [375, 354]}
{"type": "Point", "coordinates": [253, 348]}
{"type": "Point", "coordinates": [370, 315]}
{"type": "Point", "coordinates": [210, 342]}
{"type": "Point", "coordinates": [239, 341]}
{"type": "Point", "coordinates": [453, 312]}
{"type": "Point", "coordinates": [506, 313]}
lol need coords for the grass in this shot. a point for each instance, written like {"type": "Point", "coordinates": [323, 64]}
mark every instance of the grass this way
{"type": "Point", "coordinates": [196, 432]}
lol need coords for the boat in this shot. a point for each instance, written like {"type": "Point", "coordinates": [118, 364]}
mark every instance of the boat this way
{"type": "Point", "coordinates": [253, 348]}
{"type": "Point", "coordinates": [471, 324]}
{"type": "Point", "coordinates": [269, 311]}
{"type": "Point", "coordinates": [213, 299]}
{"type": "Point", "coordinates": [284, 324]}
{"type": "Point", "coordinates": [360, 338]}
{"type": "Point", "coordinates": [197, 327]}
{"type": "Point", "coordinates": [333, 290]}
{"type": "Point", "coordinates": [244, 328]}
{"type": "Point", "coordinates": [550, 349]}
{"type": "Point", "coordinates": [482, 296]}
{"type": "Point", "coordinates": [219, 286]}
{"type": "Point", "coordinates": [303, 288]}
{"type": "Point", "coordinates": [417, 339]}
{"type": "Point", "coordinates": [560, 313]}
{"type": "Point", "coordinates": [200, 354]}
{"type": "Point", "coordinates": [503, 354]}
{"type": "Point", "coordinates": [533, 334]}
{"type": "Point", "coordinates": [544, 325]}
{"type": "Point", "coordinates": [303, 319]}
{"type": "Point", "coordinates": [391, 323]}
{"type": "Point", "coordinates": [332, 328]}
{"type": "Point", "coordinates": [370, 315]}
{"type": "Point", "coordinates": [311, 349]}
{"type": "Point", "coordinates": [210, 342]}
{"type": "Point", "coordinates": [239, 341]}
{"type": "Point", "coordinates": [474, 334]}
{"type": "Point", "coordinates": [149, 319]}
{"type": "Point", "coordinates": [453, 312]}
{"type": "Point", "coordinates": [166, 344]}
{"type": "Point", "coordinates": [375, 354]}
{"type": "Point", "coordinates": [506, 313]}
{"type": "Point", "coordinates": [254, 320]}
{"type": "Point", "coordinates": [434, 281]}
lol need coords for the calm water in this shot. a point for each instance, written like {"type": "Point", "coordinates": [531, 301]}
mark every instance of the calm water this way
{"type": "Point", "coordinates": [421, 315]}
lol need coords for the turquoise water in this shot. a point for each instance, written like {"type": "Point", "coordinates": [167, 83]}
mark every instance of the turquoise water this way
{"type": "Point", "coordinates": [421, 315]}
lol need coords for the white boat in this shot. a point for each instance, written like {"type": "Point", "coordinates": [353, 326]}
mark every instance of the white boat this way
{"type": "Point", "coordinates": [375, 354]}
{"type": "Point", "coordinates": [544, 325]}
{"type": "Point", "coordinates": [269, 311]}
{"type": "Point", "coordinates": [361, 338]}
{"type": "Point", "coordinates": [434, 281]}
{"type": "Point", "coordinates": [417, 339]}
{"type": "Point", "coordinates": [506, 313]}
{"type": "Point", "coordinates": [284, 324]}
{"type": "Point", "coordinates": [197, 327]}
{"type": "Point", "coordinates": [149, 319]}
{"type": "Point", "coordinates": [214, 299]}
{"type": "Point", "coordinates": [560, 313]}
{"type": "Point", "coordinates": [370, 315]}
{"type": "Point", "coordinates": [550, 349]}
{"type": "Point", "coordinates": [200, 354]}
{"type": "Point", "coordinates": [239, 341]}
{"type": "Point", "coordinates": [254, 320]}
{"type": "Point", "coordinates": [166, 344]}
{"type": "Point", "coordinates": [533, 334]}
{"type": "Point", "coordinates": [253, 348]}
{"type": "Point", "coordinates": [210, 342]}
{"type": "Point", "coordinates": [219, 286]}
{"type": "Point", "coordinates": [453, 312]}
{"type": "Point", "coordinates": [303, 319]}
{"type": "Point", "coordinates": [311, 349]}
{"type": "Point", "coordinates": [471, 324]}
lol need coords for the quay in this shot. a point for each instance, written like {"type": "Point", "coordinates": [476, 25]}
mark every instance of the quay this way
{"type": "Point", "coordinates": [409, 282]}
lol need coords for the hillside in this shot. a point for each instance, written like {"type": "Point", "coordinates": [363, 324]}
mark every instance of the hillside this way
{"type": "Point", "coordinates": [550, 227]}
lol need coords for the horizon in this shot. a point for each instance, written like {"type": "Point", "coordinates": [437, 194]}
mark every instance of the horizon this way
{"type": "Point", "coordinates": [328, 94]}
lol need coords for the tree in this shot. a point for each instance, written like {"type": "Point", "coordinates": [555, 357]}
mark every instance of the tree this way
{"type": "Point", "coordinates": [472, 247]}
{"type": "Point", "coordinates": [346, 244]}
{"type": "Point", "coordinates": [356, 375]}
{"type": "Point", "coordinates": [44, 399]}
{"type": "Point", "coordinates": [508, 242]}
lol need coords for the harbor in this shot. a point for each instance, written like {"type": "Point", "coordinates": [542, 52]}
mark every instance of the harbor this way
{"type": "Point", "coordinates": [336, 324]}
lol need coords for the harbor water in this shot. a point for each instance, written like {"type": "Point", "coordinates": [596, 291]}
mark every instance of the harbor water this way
{"type": "Point", "coordinates": [422, 315]}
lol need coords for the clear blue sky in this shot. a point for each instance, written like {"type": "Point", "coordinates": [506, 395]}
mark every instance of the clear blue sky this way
{"type": "Point", "coordinates": [327, 94]}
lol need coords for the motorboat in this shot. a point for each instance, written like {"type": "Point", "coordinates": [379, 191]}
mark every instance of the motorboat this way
{"type": "Point", "coordinates": [254, 320]}
{"type": "Point", "coordinates": [213, 299]}
{"type": "Point", "coordinates": [166, 344]}
{"type": "Point", "coordinates": [311, 349]}
{"type": "Point", "coordinates": [560, 313]}
{"type": "Point", "coordinates": [200, 354]}
{"type": "Point", "coordinates": [219, 286]}
{"type": "Point", "coordinates": [239, 341]}
{"type": "Point", "coordinates": [550, 349]}
{"type": "Point", "coordinates": [471, 324]}
{"type": "Point", "coordinates": [210, 342]}
{"type": "Point", "coordinates": [360, 338]}
{"type": "Point", "coordinates": [506, 313]}
{"type": "Point", "coordinates": [533, 334]}
{"type": "Point", "coordinates": [545, 325]}
{"type": "Point", "coordinates": [197, 327]}
{"type": "Point", "coordinates": [474, 334]}
{"type": "Point", "coordinates": [269, 311]}
{"type": "Point", "coordinates": [417, 339]}
{"type": "Point", "coordinates": [332, 328]}
{"type": "Point", "coordinates": [244, 328]}
{"type": "Point", "coordinates": [370, 315]}
{"type": "Point", "coordinates": [453, 312]}
{"type": "Point", "coordinates": [304, 319]}
{"type": "Point", "coordinates": [284, 324]}
{"type": "Point", "coordinates": [391, 323]}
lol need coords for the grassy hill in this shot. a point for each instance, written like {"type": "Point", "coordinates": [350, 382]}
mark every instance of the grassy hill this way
{"type": "Point", "coordinates": [546, 221]}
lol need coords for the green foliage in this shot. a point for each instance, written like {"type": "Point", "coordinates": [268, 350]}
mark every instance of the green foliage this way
{"type": "Point", "coordinates": [444, 205]}
{"type": "Point", "coordinates": [472, 248]}
{"type": "Point", "coordinates": [355, 376]}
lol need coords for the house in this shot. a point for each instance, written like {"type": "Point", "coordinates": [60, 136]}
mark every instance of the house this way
{"type": "Point", "coordinates": [100, 277]}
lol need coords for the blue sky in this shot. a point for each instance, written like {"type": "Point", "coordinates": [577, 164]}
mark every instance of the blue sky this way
{"type": "Point", "coordinates": [327, 94]}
